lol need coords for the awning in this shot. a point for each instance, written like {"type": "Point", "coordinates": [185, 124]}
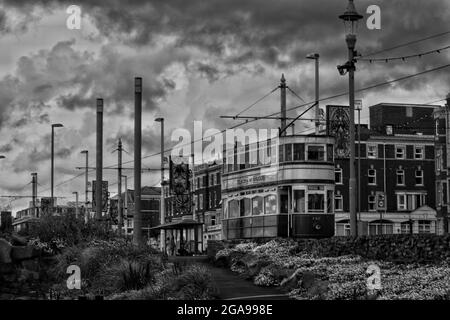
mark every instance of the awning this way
{"type": "Point", "coordinates": [180, 224]}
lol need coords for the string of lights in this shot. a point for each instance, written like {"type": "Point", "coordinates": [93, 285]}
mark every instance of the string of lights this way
{"type": "Point", "coordinates": [404, 58]}
{"type": "Point", "coordinates": [407, 44]}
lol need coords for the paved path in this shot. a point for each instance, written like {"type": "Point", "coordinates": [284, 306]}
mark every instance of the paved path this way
{"type": "Point", "coordinates": [232, 287]}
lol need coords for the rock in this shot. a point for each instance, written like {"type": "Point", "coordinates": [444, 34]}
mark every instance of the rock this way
{"type": "Point", "coordinates": [32, 265]}
{"type": "Point", "coordinates": [6, 268]}
{"type": "Point", "coordinates": [23, 253]}
{"type": "Point", "coordinates": [5, 251]}
{"type": "Point", "coordinates": [17, 240]}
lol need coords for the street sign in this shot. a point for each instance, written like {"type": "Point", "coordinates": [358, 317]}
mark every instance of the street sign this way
{"type": "Point", "coordinates": [381, 201]}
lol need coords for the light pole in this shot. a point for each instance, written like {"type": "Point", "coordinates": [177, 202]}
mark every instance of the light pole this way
{"type": "Point", "coordinates": [76, 204]}
{"type": "Point", "coordinates": [55, 125]}
{"type": "Point", "coordinates": [350, 18]}
{"type": "Point", "coordinates": [315, 56]}
{"type": "Point", "coordinates": [358, 106]}
{"type": "Point", "coordinates": [86, 183]}
{"type": "Point", "coordinates": [125, 214]}
{"type": "Point", "coordinates": [162, 207]}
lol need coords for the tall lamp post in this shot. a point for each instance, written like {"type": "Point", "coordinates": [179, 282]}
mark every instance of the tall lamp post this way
{"type": "Point", "coordinates": [86, 172]}
{"type": "Point", "coordinates": [76, 204]}
{"type": "Point", "coordinates": [351, 18]}
{"type": "Point", "coordinates": [162, 207]}
{"type": "Point", "coordinates": [358, 106]}
{"type": "Point", "coordinates": [55, 125]}
{"type": "Point", "coordinates": [315, 56]}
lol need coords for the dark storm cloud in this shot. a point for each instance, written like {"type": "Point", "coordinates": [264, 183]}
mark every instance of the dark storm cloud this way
{"type": "Point", "coordinates": [277, 33]}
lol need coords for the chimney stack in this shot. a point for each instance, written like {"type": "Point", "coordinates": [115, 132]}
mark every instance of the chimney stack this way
{"type": "Point", "coordinates": [137, 216]}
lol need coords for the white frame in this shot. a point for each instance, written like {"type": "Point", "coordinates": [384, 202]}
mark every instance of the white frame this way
{"type": "Point", "coordinates": [341, 180]}
{"type": "Point", "coordinates": [372, 176]}
{"type": "Point", "coordinates": [396, 177]}
{"type": "Point", "coordinates": [422, 153]}
{"type": "Point", "coordinates": [403, 148]}
{"type": "Point", "coordinates": [375, 146]}
{"type": "Point", "coordinates": [416, 177]}
{"type": "Point", "coordinates": [374, 202]}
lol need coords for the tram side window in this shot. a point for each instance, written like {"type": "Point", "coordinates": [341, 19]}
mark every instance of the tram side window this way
{"type": "Point", "coordinates": [270, 204]}
{"type": "Point", "coordinates": [316, 153]}
{"type": "Point", "coordinates": [299, 201]}
{"type": "Point", "coordinates": [316, 202]}
{"type": "Point", "coordinates": [245, 207]}
{"type": "Point", "coordinates": [299, 151]}
{"type": "Point", "coordinates": [257, 206]}
{"type": "Point", "coordinates": [233, 208]}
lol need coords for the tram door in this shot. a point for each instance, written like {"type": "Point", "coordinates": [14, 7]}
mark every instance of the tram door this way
{"type": "Point", "coordinates": [298, 208]}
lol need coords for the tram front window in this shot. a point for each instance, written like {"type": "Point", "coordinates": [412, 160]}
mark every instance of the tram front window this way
{"type": "Point", "coordinates": [299, 201]}
{"type": "Point", "coordinates": [316, 202]}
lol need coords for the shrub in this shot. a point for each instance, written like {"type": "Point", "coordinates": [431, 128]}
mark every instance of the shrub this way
{"type": "Point", "coordinates": [136, 276]}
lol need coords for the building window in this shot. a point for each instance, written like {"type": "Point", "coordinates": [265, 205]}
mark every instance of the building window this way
{"type": "Point", "coordinates": [338, 175]}
{"type": "Point", "coordinates": [424, 226]}
{"type": "Point", "coordinates": [270, 204]}
{"type": "Point", "coordinates": [438, 159]}
{"type": "Point", "coordinates": [419, 177]}
{"type": "Point", "coordinates": [213, 220]}
{"type": "Point", "coordinates": [342, 229]}
{"type": "Point", "coordinates": [401, 202]}
{"type": "Point", "coordinates": [338, 202]}
{"type": "Point", "coordinates": [400, 152]}
{"type": "Point", "coordinates": [405, 227]}
{"type": "Point", "coordinates": [257, 206]}
{"type": "Point", "coordinates": [372, 151]}
{"type": "Point", "coordinates": [372, 202]}
{"type": "Point", "coordinates": [400, 177]}
{"type": "Point", "coordinates": [316, 153]}
{"type": "Point", "coordinates": [299, 201]}
{"type": "Point", "coordinates": [200, 199]}
{"type": "Point", "coordinates": [381, 228]}
{"type": "Point", "coordinates": [212, 200]}
{"type": "Point", "coordinates": [316, 202]}
{"type": "Point", "coordinates": [418, 153]}
{"type": "Point", "coordinates": [372, 176]}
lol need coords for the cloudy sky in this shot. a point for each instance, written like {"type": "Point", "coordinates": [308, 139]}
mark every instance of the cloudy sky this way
{"type": "Point", "coordinates": [199, 59]}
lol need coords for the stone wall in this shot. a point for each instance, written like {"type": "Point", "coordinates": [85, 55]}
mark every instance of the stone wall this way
{"type": "Point", "coordinates": [401, 248]}
{"type": "Point", "coordinates": [20, 269]}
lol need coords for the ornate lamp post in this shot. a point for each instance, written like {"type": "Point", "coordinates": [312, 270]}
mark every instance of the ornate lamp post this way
{"type": "Point", "coordinates": [351, 18]}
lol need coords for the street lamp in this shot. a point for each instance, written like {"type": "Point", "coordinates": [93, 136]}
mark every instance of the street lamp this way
{"type": "Point", "coordinates": [76, 203]}
{"type": "Point", "coordinates": [86, 176]}
{"type": "Point", "coordinates": [358, 107]}
{"type": "Point", "coordinates": [315, 56]}
{"type": "Point", "coordinates": [55, 125]}
{"type": "Point", "coordinates": [351, 18]}
{"type": "Point", "coordinates": [162, 207]}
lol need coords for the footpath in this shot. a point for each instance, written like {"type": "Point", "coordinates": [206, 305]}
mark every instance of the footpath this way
{"type": "Point", "coordinates": [231, 286]}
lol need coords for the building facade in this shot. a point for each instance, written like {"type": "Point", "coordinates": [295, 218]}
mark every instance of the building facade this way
{"type": "Point", "coordinates": [208, 199]}
{"type": "Point", "coordinates": [395, 164]}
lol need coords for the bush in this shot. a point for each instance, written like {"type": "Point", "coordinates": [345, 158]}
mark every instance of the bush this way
{"type": "Point", "coordinates": [136, 276]}
{"type": "Point", "coordinates": [68, 230]}
{"type": "Point", "coordinates": [192, 283]}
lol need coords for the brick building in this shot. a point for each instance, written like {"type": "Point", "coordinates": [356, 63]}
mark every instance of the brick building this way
{"type": "Point", "coordinates": [441, 121]}
{"type": "Point", "coordinates": [208, 199]}
{"type": "Point", "coordinates": [397, 163]}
